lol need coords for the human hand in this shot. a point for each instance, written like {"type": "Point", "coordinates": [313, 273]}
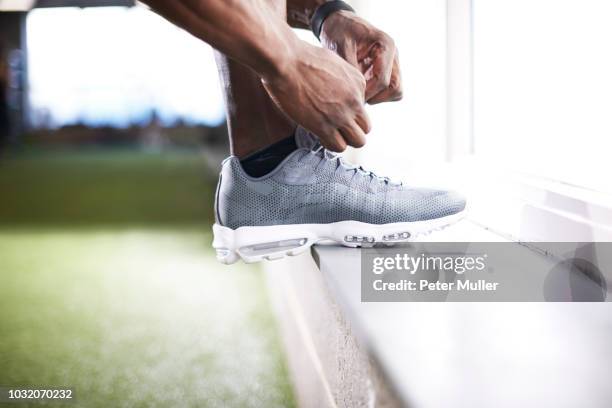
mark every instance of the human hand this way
{"type": "Point", "coordinates": [324, 94]}
{"type": "Point", "coordinates": [368, 49]}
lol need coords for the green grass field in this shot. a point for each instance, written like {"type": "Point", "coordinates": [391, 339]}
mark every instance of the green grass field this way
{"type": "Point", "coordinates": [108, 285]}
{"type": "Point", "coordinates": [105, 188]}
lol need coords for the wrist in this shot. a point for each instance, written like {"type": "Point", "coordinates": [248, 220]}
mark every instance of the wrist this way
{"type": "Point", "coordinates": [326, 11]}
{"type": "Point", "coordinates": [336, 24]}
{"type": "Point", "coordinates": [300, 12]}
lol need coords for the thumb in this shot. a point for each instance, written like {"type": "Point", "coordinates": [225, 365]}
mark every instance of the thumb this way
{"type": "Point", "coordinates": [378, 76]}
{"type": "Point", "coordinates": [348, 52]}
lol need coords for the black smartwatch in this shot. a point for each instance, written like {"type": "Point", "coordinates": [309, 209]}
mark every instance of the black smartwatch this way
{"type": "Point", "coordinates": [323, 11]}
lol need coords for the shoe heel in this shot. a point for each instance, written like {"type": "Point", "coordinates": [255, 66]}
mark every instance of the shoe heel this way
{"type": "Point", "coordinates": [272, 251]}
{"type": "Point", "coordinates": [251, 245]}
{"type": "Point", "coordinates": [227, 256]}
{"type": "Point", "coordinates": [223, 245]}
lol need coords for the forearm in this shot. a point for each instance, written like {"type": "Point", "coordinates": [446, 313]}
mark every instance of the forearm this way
{"type": "Point", "coordinates": [300, 12]}
{"type": "Point", "coordinates": [247, 31]}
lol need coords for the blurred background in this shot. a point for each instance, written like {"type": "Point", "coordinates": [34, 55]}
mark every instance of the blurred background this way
{"type": "Point", "coordinates": [112, 129]}
{"type": "Point", "coordinates": [111, 134]}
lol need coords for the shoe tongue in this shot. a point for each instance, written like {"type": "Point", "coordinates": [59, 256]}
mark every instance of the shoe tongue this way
{"type": "Point", "coordinates": [305, 139]}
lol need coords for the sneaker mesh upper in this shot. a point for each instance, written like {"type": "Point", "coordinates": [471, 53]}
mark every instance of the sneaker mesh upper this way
{"type": "Point", "coordinates": [312, 188]}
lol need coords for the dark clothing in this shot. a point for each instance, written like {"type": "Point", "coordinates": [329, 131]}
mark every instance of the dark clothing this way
{"type": "Point", "coordinates": [264, 161]}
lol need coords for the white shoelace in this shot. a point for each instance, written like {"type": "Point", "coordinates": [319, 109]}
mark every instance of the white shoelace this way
{"type": "Point", "coordinates": [326, 155]}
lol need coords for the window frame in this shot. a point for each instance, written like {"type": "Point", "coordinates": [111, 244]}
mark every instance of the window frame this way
{"type": "Point", "coordinates": [524, 207]}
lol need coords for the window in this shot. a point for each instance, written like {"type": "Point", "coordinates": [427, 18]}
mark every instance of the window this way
{"type": "Point", "coordinates": [508, 101]}
{"type": "Point", "coordinates": [411, 133]}
{"type": "Point", "coordinates": [114, 66]}
{"type": "Point", "coordinates": [543, 88]}
{"type": "Point", "coordinates": [542, 117]}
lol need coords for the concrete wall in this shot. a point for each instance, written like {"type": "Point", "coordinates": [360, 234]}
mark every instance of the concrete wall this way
{"type": "Point", "coordinates": [328, 364]}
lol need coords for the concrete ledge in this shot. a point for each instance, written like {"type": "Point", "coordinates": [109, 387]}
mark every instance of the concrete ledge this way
{"type": "Point", "coordinates": [329, 365]}
{"type": "Point", "coordinates": [345, 353]}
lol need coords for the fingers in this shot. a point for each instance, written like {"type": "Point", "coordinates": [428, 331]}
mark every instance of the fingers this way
{"type": "Point", "coordinates": [394, 91]}
{"type": "Point", "coordinates": [356, 123]}
{"type": "Point", "coordinates": [353, 135]}
{"type": "Point", "coordinates": [379, 74]}
{"type": "Point", "coordinates": [363, 121]}
{"type": "Point", "coordinates": [349, 55]}
{"type": "Point", "coordinates": [361, 116]}
{"type": "Point", "coordinates": [355, 130]}
{"type": "Point", "coordinates": [334, 141]}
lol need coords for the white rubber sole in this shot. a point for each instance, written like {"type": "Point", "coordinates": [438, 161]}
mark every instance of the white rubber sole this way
{"type": "Point", "coordinates": [254, 244]}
